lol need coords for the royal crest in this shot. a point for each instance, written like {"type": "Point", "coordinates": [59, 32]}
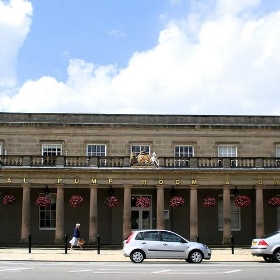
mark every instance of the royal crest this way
{"type": "Point", "coordinates": [143, 159]}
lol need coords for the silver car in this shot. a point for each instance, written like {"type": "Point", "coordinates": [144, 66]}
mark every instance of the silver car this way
{"type": "Point", "coordinates": [267, 247]}
{"type": "Point", "coordinates": [163, 244]}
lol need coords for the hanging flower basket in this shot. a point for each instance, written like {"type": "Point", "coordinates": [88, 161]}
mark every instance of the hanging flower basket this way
{"type": "Point", "coordinates": [274, 201]}
{"type": "Point", "coordinates": [43, 201]}
{"type": "Point", "coordinates": [242, 201]}
{"type": "Point", "coordinates": [76, 201]}
{"type": "Point", "coordinates": [176, 201]}
{"type": "Point", "coordinates": [143, 202]}
{"type": "Point", "coordinates": [209, 202]}
{"type": "Point", "coordinates": [111, 201]}
{"type": "Point", "coordinates": [9, 199]}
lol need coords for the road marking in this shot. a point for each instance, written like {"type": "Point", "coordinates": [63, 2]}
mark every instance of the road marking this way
{"type": "Point", "coordinates": [14, 269]}
{"type": "Point", "coordinates": [80, 270]}
{"type": "Point", "coordinates": [232, 271]}
{"type": "Point", "coordinates": [162, 271]}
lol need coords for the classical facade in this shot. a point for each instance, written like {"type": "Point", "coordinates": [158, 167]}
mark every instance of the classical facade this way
{"type": "Point", "coordinates": [204, 177]}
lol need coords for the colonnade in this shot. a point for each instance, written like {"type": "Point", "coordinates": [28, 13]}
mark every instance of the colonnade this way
{"type": "Point", "coordinates": [160, 223]}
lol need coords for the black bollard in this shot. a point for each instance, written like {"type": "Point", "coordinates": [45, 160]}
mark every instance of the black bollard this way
{"type": "Point", "coordinates": [232, 244]}
{"type": "Point", "coordinates": [98, 244]}
{"type": "Point", "coordinates": [29, 243]}
{"type": "Point", "coordinates": [65, 243]}
{"type": "Point", "coordinates": [197, 238]}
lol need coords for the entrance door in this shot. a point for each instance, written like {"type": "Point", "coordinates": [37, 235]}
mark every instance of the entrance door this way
{"type": "Point", "coordinates": [141, 219]}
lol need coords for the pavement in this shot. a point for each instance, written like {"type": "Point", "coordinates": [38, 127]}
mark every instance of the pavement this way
{"type": "Point", "coordinates": [92, 255]}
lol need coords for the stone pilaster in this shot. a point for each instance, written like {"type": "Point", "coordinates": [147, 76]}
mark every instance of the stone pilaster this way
{"type": "Point", "coordinates": [93, 226]}
{"type": "Point", "coordinates": [25, 215]}
{"type": "Point", "coordinates": [160, 207]}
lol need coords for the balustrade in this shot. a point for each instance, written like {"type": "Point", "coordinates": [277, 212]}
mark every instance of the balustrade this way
{"type": "Point", "coordinates": [121, 162]}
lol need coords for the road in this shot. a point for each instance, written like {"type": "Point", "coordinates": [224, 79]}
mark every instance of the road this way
{"type": "Point", "coordinates": [29, 270]}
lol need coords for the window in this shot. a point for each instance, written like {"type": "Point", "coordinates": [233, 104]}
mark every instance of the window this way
{"type": "Point", "coordinates": [137, 149]}
{"type": "Point", "coordinates": [51, 149]}
{"type": "Point", "coordinates": [50, 152]}
{"type": "Point", "coordinates": [235, 214]}
{"type": "Point", "coordinates": [95, 150]}
{"type": "Point", "coordinates": [278, 151]}
{"type": "Point", "coordinates": [183, 151]}
{"type": "Point", "coordinates": [47, 215]}
{"type": "Point", "coordinates": [227, 151]}
{"type": "Point", "coordinates": [170, 237]}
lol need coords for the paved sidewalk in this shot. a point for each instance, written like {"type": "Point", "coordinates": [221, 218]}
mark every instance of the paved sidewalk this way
{"type": "Point", "coordinates": [91, 255]}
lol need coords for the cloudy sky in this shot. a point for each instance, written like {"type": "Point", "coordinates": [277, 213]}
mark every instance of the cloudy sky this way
{"type": "Point", "coordinates": [206, 57]}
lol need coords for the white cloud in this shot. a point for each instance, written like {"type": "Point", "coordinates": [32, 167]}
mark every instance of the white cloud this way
{"type": "Point", "coordinates": [15, 22]}
{"type": "Point", "coordinates": [230, 65]}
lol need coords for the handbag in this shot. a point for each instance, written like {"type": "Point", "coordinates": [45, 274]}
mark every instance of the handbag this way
{"type": "Point", "coordinates": [81, 242]}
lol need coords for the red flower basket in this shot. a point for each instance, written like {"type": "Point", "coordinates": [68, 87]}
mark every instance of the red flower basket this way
{"type": "Point", "coordinates": [43, 201]}
{"type": "Point", "coordinates": [274, 201]}
{"type": "Point", "coordinates": [209, 202]}
{"type": "Point", "coordinates": [242, 201]}
{"type": "Point", "coordinates": [76, 201]}
{"type": "Point", "coordinates": [111, 201]}
{"type": "Point", "coordinates": [143, 202]}
{"type": "Point", "coordinates": [9, 199]}
{"type": "Point", "coordinates": [176, 201]}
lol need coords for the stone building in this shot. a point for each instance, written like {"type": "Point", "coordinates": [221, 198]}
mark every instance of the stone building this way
{"type": "Point", "coordinates": [90, 158]}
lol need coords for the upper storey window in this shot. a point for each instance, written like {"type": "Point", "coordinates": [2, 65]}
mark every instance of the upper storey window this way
{"type": "Point", "coordinates": [137, 149]}
{"type": "Point", "coordinates": [183, 151]}
{"type": "Point", "coordinates": [95, 150]}
{"type": "Point", "coordinates": [51, 149]}
{"type": "Point", "coordinates": [227, 151]}
{"type": "Point", "coordinates": [278, 151]}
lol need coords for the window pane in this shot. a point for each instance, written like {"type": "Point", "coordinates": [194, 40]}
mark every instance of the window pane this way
{"type": "Point", "coordinates": [227, 151]}
{"type": "Point", "coordinates": [52, 150]}
{"type": "Point", "coordinates": [96, 150]}
{"type": "Point", "coordinates": [137, 149]}
{"type": "Point", "coordinates": [278, 151]}
{"type": "Point", "coordinates": [183, 151]}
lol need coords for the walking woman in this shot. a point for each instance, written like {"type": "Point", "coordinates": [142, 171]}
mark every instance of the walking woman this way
{"type": "Point", "coordinates": [76, 237]}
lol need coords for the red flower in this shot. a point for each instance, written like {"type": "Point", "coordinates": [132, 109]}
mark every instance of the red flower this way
{"type": "Point", "coordinates": [111, 201]}
{"type": "Point", "coordinates": [209, 202]}
{"type": "Point", "coordinates": [242, 201]}
{"type": "Point", "coordinates": [9, 199]}
{"type": "Point", "coordinates": [76, 201]}
{"type": "Point", "coordinates": [43, 201]}
{"type": "Point", "coordinates": [274, 201]}
{"type": "Point", "coordinates": [176, 201]}
{"type": "Point", "coordinates": [143, 202]}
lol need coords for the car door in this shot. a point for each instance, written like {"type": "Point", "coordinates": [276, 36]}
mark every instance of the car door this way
{"type": "Point", "coordinates": [151, 244]}
{"type": "Point", "coordinates": [172, 245]}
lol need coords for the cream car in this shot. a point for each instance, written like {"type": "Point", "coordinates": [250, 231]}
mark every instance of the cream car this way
{"type": "Point", "coordinates": [163, 244]}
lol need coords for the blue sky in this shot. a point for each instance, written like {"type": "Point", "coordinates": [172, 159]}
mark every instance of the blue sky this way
{"type": "Point", "coordinates": [213, 57]}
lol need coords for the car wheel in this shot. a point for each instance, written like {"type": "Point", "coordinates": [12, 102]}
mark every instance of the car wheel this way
{"type": "Point", "coordinates": [195, 257]}
{"type": "Point", "coordinates": [137, 256]}
{"type": "Point", "coordinates": [268, 259]}
{"type": "Point", "coordinates": [276, 255]}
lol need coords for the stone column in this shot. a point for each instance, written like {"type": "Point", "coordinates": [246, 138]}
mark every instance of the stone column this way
{"type": "Point", "coordinates": [259, 212]}
{"type": "Point", "coordinates": [25, 215]}
{"type": "Point", "coordinates": [193, 213]}
{"type": "Point", "coordinates": [160, 207]}
{"type": "Point", "coordinates": [93, 214]}
{"type": "Point", "coordinates": [59, 230]}
{"type": "Point", "coordinates": [226, 215]}
{"type": "Point", "coordinates": [126, 211]}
